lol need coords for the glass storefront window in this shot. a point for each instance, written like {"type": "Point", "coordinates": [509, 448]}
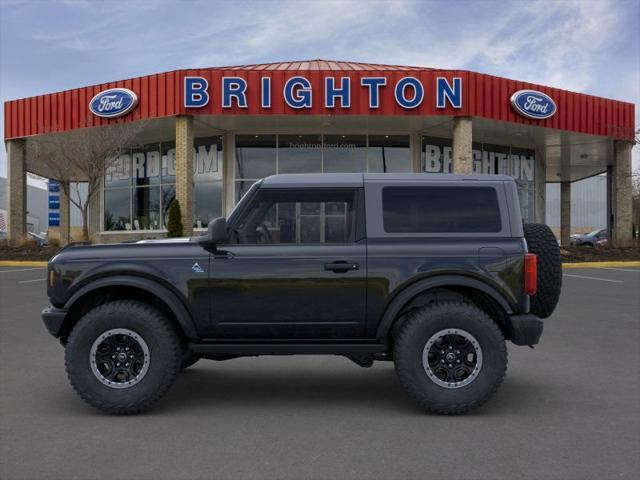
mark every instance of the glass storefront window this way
{"type": "Point", "coordinates": [258, 156]}
{"type": "Point", "coordinates": [118, 174]}
{"type": "Point", "coordinates": [299, 153]}
{"type": "Point", "coordinates": [242, 187]}
{"type": "Point", "coordinates": [389, 153]}
{"type": "Point", "coordinates": [208, 202]}
{"type": "Point", "coordinates": [255, 156]}
{"type": "Point", "coordinates": [344, 153]}
{"type": "Point", "coordinates": [488, 159]}
{"type": "Point", "coordinates": [207, 160]}
{"type": "Point", "coordinates": [145, 165]}
{"type": "Point", "coordinates": [117, 209]}
{"type": "Point", "coordinates": [140, 185]}
{"type": "Point", "coordinates": [207, 176]}
{"type": "Point", "coordinates": [168, 194]}
{"type": "Point", "coordinates": [436, 155]}
{"type": "Point", "coordinates": [146, 208]}
{"type": "Point", "coordinates": [168, 162]}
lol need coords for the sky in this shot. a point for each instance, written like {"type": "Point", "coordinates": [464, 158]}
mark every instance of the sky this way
{"type": "Point", "coordinates": [589, 46]}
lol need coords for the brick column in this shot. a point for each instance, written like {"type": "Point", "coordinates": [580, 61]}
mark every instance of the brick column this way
{"type": "Point", "coordinates": [462, 149]}
{"type": "Point", "coordinates": [65, 215]}
{"type": "Point", "coordinates": [565, 213]}
{"type": "Point", "coordinates": [621, 186]}
{"type": "Point", "coordinates": [16, 191]}
{"type": "Point", "coordinates": [184, 171]}
{"type": "Point", "coordinates": [415, 147]}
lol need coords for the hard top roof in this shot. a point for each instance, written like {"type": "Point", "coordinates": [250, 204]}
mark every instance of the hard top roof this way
{"type": "Point", "coordinates": [358, 179]}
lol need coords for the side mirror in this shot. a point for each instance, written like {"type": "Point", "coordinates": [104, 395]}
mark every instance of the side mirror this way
{"type": "Point", "coordinates": [217, 230]}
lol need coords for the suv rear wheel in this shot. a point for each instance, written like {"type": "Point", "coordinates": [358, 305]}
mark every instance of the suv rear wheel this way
{"type": "Point", "coordinates": [122, 356]}
{"type": "Point", "coordinates": [450, 356]}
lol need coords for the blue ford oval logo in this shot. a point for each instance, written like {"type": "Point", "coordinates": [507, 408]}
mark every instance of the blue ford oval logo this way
{"type": "Point", "coordinates": [533, 104]}
{"type": "Point", "coordinates": [114, 102]}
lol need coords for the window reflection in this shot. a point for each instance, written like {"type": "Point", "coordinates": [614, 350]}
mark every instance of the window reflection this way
{"type": "Point", "coordinates": [140, 185]}
{"type": "Point", "coordinates": [389, 153]}
{"type": "Point", "coordinates": [117, 205]}
{"type": "Point", "coordinates": [304, 216]}
{"type": "Point", "coordinates": [146, 208]}
{"type": "Point", "coordinates": [299, 153]}
{"type": "Point", "coordinates": [345, 153]}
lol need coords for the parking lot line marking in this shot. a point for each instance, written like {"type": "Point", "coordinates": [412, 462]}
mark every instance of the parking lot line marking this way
{"type": "Point", "coordinates": [24, 263]}
{"type": "Point", "coordinates": [594, 278]}
{"type": "Point", "coordinates": [624, 264]}
{"type": "Point", "coordinates": [22, 269]}
{"type": "Point", "coordinates": [36, 280]}
{"type": "Point", "coordinates": [621, 269]}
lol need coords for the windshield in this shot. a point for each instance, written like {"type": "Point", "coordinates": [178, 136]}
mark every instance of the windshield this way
{"type": "Point", "coordinates": [594, 233]}
{"type": "Point", "coordinates": [249, 193]}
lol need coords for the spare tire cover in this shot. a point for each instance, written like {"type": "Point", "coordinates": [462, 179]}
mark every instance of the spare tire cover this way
{"type": "Point", "coordinates": [542, 242]}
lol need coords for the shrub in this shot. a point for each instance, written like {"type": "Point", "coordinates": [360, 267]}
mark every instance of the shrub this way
{"type": "Point", "coordinates": [174, 226]}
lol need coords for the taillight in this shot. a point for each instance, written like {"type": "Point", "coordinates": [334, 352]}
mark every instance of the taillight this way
{"type": "Point", "coordinates": [530, 273]}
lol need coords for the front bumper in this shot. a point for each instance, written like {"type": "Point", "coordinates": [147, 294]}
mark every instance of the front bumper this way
{"type": "Point", "coordinates": [53, 319]}
{"type": "Point", "coordinates": [525, 329]}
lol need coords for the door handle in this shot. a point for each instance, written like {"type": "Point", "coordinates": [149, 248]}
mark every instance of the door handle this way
{"type": "Point", "coordinates": [341, 267]}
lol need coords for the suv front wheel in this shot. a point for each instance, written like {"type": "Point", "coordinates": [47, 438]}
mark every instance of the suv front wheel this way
{"type": "Point", "coordinates": [450, 356]}
{"type": "Point", "coordinates": [123, 356]}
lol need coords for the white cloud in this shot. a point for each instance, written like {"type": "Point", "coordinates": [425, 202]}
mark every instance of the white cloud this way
{"type": "Point", "coordinates": [583, 45]}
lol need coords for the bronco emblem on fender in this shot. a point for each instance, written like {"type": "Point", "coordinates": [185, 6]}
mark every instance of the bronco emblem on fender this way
{"type": "Point", "coordinates": [197, 268]}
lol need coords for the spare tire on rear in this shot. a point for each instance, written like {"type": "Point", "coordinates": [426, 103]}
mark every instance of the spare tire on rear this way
{"type": "Point", "coordinates": [542, 242]}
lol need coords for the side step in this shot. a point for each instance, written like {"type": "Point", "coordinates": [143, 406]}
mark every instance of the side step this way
{"type": "Point", "coordinates": [276, 348]}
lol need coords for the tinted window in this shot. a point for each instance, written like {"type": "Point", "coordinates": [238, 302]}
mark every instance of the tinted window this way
{"type": "Point", "coordinates": [440, 210]}
{"type": "Point", "coordinates": [292, 216]}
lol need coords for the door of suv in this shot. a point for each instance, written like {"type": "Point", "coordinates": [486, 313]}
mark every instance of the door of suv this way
{"type": "Point", "coordinates": [295, 267]}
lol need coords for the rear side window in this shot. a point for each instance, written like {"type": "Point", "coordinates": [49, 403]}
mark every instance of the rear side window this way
{"type": "Point", "coordinates": [437, 209]}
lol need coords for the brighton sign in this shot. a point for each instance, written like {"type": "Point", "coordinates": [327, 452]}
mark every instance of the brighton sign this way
{"type": "Point", "coordinates": [113, 103]}
{"type": "Point", "coordinates": [533, 104]}
{"type": "Point", "coordinates": [297, 92]}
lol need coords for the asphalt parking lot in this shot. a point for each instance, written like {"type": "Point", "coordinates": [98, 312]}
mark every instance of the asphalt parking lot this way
{"type": "Point", "coordinates": [570, 409]}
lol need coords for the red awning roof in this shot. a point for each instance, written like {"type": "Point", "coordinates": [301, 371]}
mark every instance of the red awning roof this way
{"type": "Point", "coordinates": [161, 95]}
{"type": "Point", "coordinates": [320, 64]}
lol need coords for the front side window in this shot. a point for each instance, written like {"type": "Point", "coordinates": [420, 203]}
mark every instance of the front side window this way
{"type": "Point", "coordinates": [298, 217]}
{"type": "Point", "coordinates": [437, 209]}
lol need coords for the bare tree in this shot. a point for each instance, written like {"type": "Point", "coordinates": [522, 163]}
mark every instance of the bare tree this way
{"type": "Point", "coordinates": [82, 156]}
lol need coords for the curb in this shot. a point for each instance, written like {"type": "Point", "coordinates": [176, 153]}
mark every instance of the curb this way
{"type": "Point", "coordinates": [601, 264]}
{"type": "Point", "coordinates": [22, 263]}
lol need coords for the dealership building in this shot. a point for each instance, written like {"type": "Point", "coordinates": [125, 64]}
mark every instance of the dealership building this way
{"type": "Point", "coordinates": [204, 136]}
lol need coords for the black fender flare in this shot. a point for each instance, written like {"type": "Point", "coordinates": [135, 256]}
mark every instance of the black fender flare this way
{"type": "Point", "coordinates": [166, 296]}
{"type": "Point", "coordinates": [407, 293]}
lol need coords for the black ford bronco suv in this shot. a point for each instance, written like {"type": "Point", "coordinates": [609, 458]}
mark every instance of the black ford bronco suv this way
{"type": "Point", "coordinates": [433, 272]}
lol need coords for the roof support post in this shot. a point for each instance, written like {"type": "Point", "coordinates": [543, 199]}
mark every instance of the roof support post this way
{"type": "Point", "coordinates": [462, 145]}
{"type": "Point", "coordinates": [540, 186]}
{"type": "Point", "coordinates": [621, 192]}
{"type": "Point", "coordinates": [565, 214]}
{"type": "Point", "coordinates": [16, 191]}
{"type": "Point", "coordinates": [228, 172]}
{"type": "Point", "coordinates": [184, 171]}
{"type": "Point", "coordinates": [415, 144]}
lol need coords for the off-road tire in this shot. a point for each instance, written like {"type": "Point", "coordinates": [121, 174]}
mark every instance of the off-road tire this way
{"type": "Point", "coordinates": [420, 325]}
{"type": "Point", "coordinates": [542, 242]}
{"type": "Point", "coordinates": [164, 358]}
